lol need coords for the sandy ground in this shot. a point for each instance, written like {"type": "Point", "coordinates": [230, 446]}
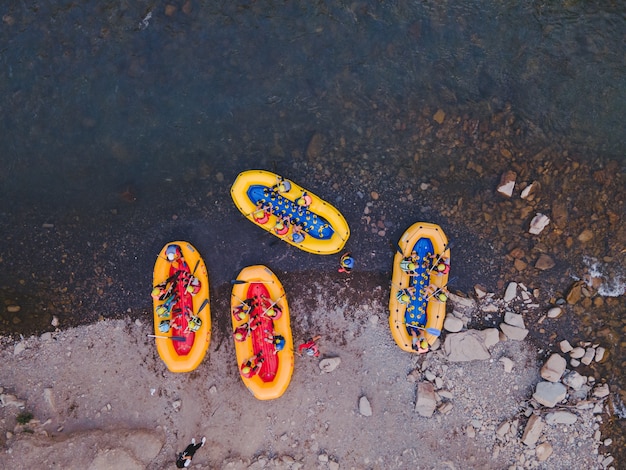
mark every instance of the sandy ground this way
{"type": "Point", "coordinates": [102, 398]}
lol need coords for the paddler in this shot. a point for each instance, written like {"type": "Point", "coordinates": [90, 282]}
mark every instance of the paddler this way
{"type": "Point", "coordinates": [250, 367]}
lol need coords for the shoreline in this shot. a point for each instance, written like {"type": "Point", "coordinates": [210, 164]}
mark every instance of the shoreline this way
{"type": "Point", "coordinates": [107, 376]}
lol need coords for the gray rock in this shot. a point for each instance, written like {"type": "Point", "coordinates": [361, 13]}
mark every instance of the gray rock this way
{"type": "Point", "coordinates": [555, 312]}
{"type": "Point", "coordinates": [561, 417]}
{"type": "Point", "coordinates": [329, 364]}
{"type": "Point", "coordinates": [364, 406]}
{"type": "Point", "coordinates": [601, 391]}
{"type": "Point", "coordinates": [574, 380]}
{"type": "Point", "coordinates": [426, 402]}
{"type": "Point", "coordinates": [453, 324]}
{"type": "Point", "coordinates": [511, 292]}
{"type": "Point", "coordinates": [462, 302]}
{"type": "Point", "coordinates": [490, 336]}
{"type": "Point", "coordinates": [554, 367]}
{"type": "Point", "coordinates": [577, 353]}
{"type": "Point", "coordinates": [600, 352]}
{"type": "Point", "coordinates": [514, 319]}
{"type": "Point", "coordinates": [533, 430]}
{"type": "Point", "coordinates": [465, 346]}
{"type": "Point", "coordinates": [513, 332]}
{"type": "Point", "coordinates": [549, 393]}
{"type": "Point", "coordinates": [565, 346]}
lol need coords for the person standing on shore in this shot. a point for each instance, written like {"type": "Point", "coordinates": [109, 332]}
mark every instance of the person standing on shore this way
{"type": "Point", "coordinates": [184, 458]}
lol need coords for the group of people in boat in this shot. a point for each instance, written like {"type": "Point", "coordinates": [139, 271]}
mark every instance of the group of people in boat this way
{"type": "Point", "coordinates": [293, 219]}
{"type": "Point", "coordinates": [257, 313]}
{"type": "Point", "coordinates": [173, 311]}
{"type": "Point", "coordinates": [439, 265]}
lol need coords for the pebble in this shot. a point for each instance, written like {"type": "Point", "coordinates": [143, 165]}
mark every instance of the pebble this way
{"type": "Point", "coordinates": [539, 222]}
{"type": "Point", "coordinates": [565, 346]}
{"type": "Point", "coordinates": [374, 195]}
{"type": "Point", "coordinates": [600, 354]}
{"type": "Point", "coordinates": [329, 364]}
{"type": "Point", "coordinates": [555, 312]}
{"type": "Point", "coordinates": [543, 451]}
{"type": "Point", "coordinates": [511, 292]}
{"type": "Point", "coordinates": [13, 308]}
{"type": "Point", "coordinates": [55, 321]}
{"type": "Point", "coordinates": [590, 353]}
{"type": "Point", "coordinates": [364, 406]}
{"type": "Point", "coordinates": [577, 353]}
{"type": "Point", "coordinates": [508, 364]}
{"type": "Point", "coordinates": [453, 324]}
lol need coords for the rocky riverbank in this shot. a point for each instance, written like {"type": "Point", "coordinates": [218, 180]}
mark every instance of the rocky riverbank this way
{"type": "Point", "coordinates": [100, 397]}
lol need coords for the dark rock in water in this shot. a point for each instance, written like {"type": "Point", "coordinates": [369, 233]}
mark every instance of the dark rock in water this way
{"type": "Point", "coordinates": [544, 262]}
{"type": "Point", "coordinates": [314, 148]}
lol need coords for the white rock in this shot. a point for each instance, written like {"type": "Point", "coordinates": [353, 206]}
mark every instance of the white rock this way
{"type": "Point", "coordinates": [577, 353]}
{"type": "Point", "coordinates": [555, 312]}
{"type": "Point", "coordinates": [19, 348]}
{"type": "Point", "coordinates": [511, 292]}
{"type": "Point", "coordinates": [513, 332]}
{"type": "Point", "coordinates": [565, 346]}
{"type": "Point", "coordinates": [514, 319]}
{"type": "Point", "coordinates": [508, 364]}
{"type": "Point", "coordinates": [503, 429]}
{"type": "Point", "coordinates": [554, 367]}
{"type": "Point", "coordinates": [491, 337]}
{"type": "Point", "coordinates": [543, 451]}
{"type": "Point", "coordinates": [329, 364]}
{"type": "Point", "coordinates": [533, 429]}
{"type": "Point", "coordinates": [600, 354]}
{"type": "Point", "coordinates": [445, 408]}
{"type": "Point", "coordinates": [453, 324]}
{"type": "Point", "coordinates": [364, 406]}
{"type": "Point", "coordinates": [527, 190]}
{"type": "Point", "coordinates": [574, 362]}
{"type": "Point", "coordinates": [601, 391]}
{"type": "Point", "coordinates": [55, 321]}
{"type": "Point", "coordinates": [507, 183]}
{"type": "Point", "coordinates": [538, 223]}
{"type": "Point", "coordinates": [561, 417]}
{"type": "Point", "coordinates": [489, 308]}
{"type": "Point", "coordinates": [590, 353]}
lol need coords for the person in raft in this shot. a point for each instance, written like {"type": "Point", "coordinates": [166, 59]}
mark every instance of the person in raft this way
{"type": "Point", "coordinates": [304, 201]}
{"type": "Point", "coordinates": [404, 295]}
{"type": "Point", "coordinates": [434, 292]}
{"type": "Point", "coordinates": [418, 341]}
{"type": "Point", "coordinates": [193, 323]}
{"type": "Point", "coordinates": [346, 263]}
{"type": "Point", "coordinates": [409, 264]}
{"type": "Point", "coordinates": [174, 255]}
{"type": "Point", "coordinates": [281, 186]}
{"type": "Point", "coordinates": [282, 225]}
{"type": "Point", "coordinates": [164, 289]}
{"type": "Point", "coordinates": [184, 458]}
{"type": "Point", "coordinates": [277, 340]}
{"type": "Point", "coordinates": [250, 367]}
{"type": "Point", "coordinates": [310, 347]}
{"type": "Point", "coordinates": [242, 311]}
{"type": "Point", "coordinates": [261, 215]}
{"type": "Point", "coordinates": [440, 265]}
{"type": "Point", "coordinates": [241, 332]}
{"type": "Point", "coordinates": [297, 235]}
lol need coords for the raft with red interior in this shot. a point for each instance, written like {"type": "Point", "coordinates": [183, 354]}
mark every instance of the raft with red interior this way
{"type": "Point", "coordinates": [182, 350]}
{"type": "Point", "coordinates": [260, 285]}
{"type": "Point", "coordinates": [266, 199]}
{"type": "Point", "coordinates": [423, 312]}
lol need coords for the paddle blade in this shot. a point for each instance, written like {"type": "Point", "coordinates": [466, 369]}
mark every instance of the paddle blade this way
{"type": "Point", "coordinates": [237, 281]}
{"type": "Point", "coordinates": [433, 331]}
{"type": "Point", "coordinates": [204, 304]}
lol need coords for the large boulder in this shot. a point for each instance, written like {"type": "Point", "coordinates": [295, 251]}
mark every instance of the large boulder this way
{"type": "Point", "coordinates": [426, 401]}
{"type": "Point", "coordinates": [549, 393]}
{"type": "Point", "coordinates": [466, 346]}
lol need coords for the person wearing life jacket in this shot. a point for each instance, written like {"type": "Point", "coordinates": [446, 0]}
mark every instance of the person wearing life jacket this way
{"type": "Point", "coordinates": [441, 267]}
{"type": "Point", "coordinates": [165, 288]}
{"type": "Point", "coordinates": [304, 201]}
{"type": "Point", "coordinates": [282, 226]}
{"type": "Point", "coordinates": [346, 263]}
{"type": "Point", "coordinates": [273, 312]}
{"type": "Point", "coordinates": [242, 312]}
{"type": "Point", "coordinates": [309, 347]}
{"type": "Point", "coordinates": [437, 293]}
{"type": "Point", "coordinates": [241, 332]}
{"type": "Point", "coordinates": [418, 342]}
{"type": "Point", "coordinates": [404, 296]}
{"type": "Point", "coordinates": [194, 323]}
{"type": "Point", "coordinates": [261, 215]}
{"type": "Point", "coordinates": [277, 340]}
{"type": "Point", "coordinates": [166, 325]}
{"type": "Point", "coordinates": [281, 186]}
{"type": "Point", "coordinates": [166, 307]}
{"type": "Point", "coordinates": [409, 264]}
{"type": "Point", "coordinates": [250, 367]}
{"type": "Point", "coordinates": [297, 235]}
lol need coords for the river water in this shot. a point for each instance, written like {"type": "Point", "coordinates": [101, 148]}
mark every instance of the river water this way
{"type": "Point", "coordinates": [124, 124]}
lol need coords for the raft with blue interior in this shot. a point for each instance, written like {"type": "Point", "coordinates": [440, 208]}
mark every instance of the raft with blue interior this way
{"type": "Point", "coordinates": [290, 212]}
{"type": "Point", "coordinates": [417, 303]}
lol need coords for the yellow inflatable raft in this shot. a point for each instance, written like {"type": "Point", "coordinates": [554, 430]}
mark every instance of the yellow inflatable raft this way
{"type": "Point", "coordinates": [182, 318]}
{"type": "Point", "coordinates": [262, 332]}
{"type": "Point", "coordinates": [290, 212]}
{"type": "Point", "coordinates": [417, 304]}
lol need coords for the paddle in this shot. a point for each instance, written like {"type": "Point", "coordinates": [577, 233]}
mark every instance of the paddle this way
{"type": "Point", "coordinates": [436, 262]}
{"type": "Point", "coordinates": [204, 304]}
{"type": "Point", "coordinates": [173, 338]}
{"type": "Point", "coordinates": [237, 281]}
{"type": "Point", "coordinates": [433, 331]}
{"type": "Point", "coordinates": [274, 303]}
{"type": "Point", "coordinates": [440, 289]}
